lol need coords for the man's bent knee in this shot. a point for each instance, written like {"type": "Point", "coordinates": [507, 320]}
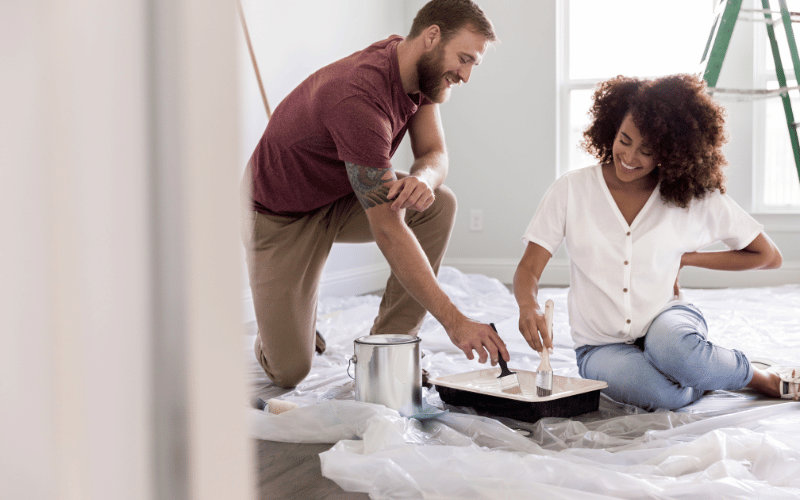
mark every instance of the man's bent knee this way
{"type": "Point", "coordinates": [289, 376]}
{"type": "Point", "coordinates": [446, 199]}
{"type": "Point", "coordinates": [287, 373]}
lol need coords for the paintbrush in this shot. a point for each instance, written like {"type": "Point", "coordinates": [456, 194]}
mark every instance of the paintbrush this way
{"type": "Point", "coordinates": [509, 383]}
{"type": "Point", "coordinates": [544, 374]}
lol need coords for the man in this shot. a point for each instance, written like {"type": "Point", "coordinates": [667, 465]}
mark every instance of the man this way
{"type": "Point", "coordinates": [321, 173]}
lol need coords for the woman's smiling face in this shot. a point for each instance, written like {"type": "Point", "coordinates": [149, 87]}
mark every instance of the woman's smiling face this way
{"type": "Point", "coordinates": [633, 159]}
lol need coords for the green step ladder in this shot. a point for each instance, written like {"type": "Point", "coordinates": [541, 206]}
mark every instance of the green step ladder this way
{"type": "Point", "coordinates": [726, 14]}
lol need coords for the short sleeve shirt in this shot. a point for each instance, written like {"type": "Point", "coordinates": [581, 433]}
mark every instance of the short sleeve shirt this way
{"type": "Point", "coordinates": [353, 110]}
{"type": "Point", "coordinates": [622, 276]}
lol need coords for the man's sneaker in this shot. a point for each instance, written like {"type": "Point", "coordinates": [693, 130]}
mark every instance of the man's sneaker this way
{"type": "Point", "coordinates": [320, 343]}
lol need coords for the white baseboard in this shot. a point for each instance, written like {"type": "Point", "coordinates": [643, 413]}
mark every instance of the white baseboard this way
{"type": "Point", "coordinates": [349, 282]}
{"type": "Point", "coordinates": [355, 281]}
{"type": "Point", "coordinates": [358, 281]}
{"type": "Point", "coordinates": [555, 274]}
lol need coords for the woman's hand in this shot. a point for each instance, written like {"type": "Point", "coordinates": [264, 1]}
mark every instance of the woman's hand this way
{"type": "Point", "coordinates": [532, 324]}
{"type": "Point", "coordinates": [676, 288]}
{"type": "Point", "coordinates": [533, 327]}
{"type": "Point", "coordinates": [761, 253]}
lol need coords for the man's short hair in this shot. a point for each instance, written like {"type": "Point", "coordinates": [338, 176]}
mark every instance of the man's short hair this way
{"type": "Point", "coordinates": [450, 16]}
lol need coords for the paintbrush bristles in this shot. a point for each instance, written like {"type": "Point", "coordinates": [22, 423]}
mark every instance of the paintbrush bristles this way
{"type": "Point", "coordinates": [544, 374]}
{"type": "Point", "coordinates": [509, 383]}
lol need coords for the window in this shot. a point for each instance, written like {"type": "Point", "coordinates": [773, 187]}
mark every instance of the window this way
{"type": "Point", "coordinates": [649, 39]}
{"type": "Point", "coordinates": [775, 179]}
{"type": "Point", "coordinates": [622, 37]}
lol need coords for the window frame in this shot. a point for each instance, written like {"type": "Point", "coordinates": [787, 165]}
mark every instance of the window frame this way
{"type": "Point", "coordinates": [565, 88]}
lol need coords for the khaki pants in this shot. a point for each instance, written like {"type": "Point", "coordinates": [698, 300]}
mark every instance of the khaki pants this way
{"type": "Point", "coordinates": [285, 257]}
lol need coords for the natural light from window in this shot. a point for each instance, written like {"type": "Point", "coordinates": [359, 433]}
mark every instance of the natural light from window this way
{"type": "Point", "coordinates": [606, 38]}
{"type": "Point", "coordinates": [635, 37]}
{"type": "Point", "coordinates": [632, 38]}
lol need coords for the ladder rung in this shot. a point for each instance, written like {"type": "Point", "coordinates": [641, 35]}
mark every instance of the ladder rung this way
{"type": "Point", "coordinates": [768, 11]}
{"type": "Point", "coordinates": [773, 21]}
{"type": "Point", "coordinates": [755, 92]}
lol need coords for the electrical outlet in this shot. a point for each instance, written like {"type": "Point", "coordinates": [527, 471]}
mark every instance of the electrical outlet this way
{"type": "Point", "coordinates": [476, 220]}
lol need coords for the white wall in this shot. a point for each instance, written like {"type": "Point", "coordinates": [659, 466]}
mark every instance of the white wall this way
{"type": "Point", "coordinates": [507, 107]}
{"type": "Point", "coordinates": [501, 131]}
{"type": "Point", "coordinates": [291, 40]}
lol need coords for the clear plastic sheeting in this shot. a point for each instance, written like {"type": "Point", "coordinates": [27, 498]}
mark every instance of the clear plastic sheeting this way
{"type": "Point", "coordinates": [727, 445]}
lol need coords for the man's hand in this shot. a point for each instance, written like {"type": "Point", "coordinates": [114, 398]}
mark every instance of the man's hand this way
{"type": "Point", "coordinates": [469, 335]}
{"type": "Point", "coordinates": [410, 192]}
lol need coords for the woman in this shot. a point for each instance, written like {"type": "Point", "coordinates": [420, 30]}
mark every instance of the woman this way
{"type": "Point", "coordinates": [630, 224]}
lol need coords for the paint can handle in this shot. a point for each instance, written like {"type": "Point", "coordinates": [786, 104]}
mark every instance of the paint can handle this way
{"type": "Point", "coordinates": [352, 360]}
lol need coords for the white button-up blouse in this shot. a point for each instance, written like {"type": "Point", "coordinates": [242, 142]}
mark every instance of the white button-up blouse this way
{"type": "Point", "coordinates": [621, 276]}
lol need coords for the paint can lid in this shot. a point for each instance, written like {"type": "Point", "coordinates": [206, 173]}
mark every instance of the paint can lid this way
{"type": "Point", "coordinates": [388, 339]}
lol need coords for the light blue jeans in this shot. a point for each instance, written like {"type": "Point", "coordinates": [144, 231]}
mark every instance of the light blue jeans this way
{"type": "Point", "coordinates": [671, 367]}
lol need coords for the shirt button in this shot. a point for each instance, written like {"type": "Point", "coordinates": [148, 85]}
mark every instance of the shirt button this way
{"type": "Point", "coordinates": [625, 290]}
{"type": "Point", "coordinates": [628, 234]}
{"type": "Point", "coordinates": [629, 322]}
{"type": "Point", "coordinates": [626, 262]}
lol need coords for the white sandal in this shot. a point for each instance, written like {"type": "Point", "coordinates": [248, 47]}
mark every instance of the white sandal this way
{"type": "Point", "coordinates": [790, 381]}
{"type": "Point", "coordinates": [761, 363]}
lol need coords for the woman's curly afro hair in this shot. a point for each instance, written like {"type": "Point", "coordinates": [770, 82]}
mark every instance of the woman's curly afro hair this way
{"type": "Point", "coordinates": [678, 120]}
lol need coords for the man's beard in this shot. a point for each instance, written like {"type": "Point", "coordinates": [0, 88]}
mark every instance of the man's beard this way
{"type": "Point", "coordinates": [430, 73]}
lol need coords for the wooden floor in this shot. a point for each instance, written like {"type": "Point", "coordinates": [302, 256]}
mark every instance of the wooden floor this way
{"type": "Point", "coordinates": [287, 471]}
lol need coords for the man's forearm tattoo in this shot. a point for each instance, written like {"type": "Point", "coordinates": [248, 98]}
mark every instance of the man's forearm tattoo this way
{"type": "Point", "coordinates": [369, 184]}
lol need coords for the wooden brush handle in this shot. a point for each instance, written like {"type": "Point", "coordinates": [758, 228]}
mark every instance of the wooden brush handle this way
{"type": "Point", "coordinates": [544, 364]}
{"type": "Point", "coordinates": [548, 317]}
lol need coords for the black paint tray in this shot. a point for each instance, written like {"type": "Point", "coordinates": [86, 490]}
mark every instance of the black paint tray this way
{"type": "Point", "coordinates": [481, 390]}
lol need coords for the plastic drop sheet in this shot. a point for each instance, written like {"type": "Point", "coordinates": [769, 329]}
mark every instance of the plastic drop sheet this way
{"type": "Point", "coordinates": [731, 445]}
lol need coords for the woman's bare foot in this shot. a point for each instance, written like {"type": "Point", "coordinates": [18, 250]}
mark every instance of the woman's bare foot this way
{"type": "Point", "coordinates": [769, 383]}
{"type": "Point", "coordinates": [766, 383]}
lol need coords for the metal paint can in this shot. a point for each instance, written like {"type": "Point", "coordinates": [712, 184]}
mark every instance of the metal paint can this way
{"type": "Point", "coordinates": [387, 371]}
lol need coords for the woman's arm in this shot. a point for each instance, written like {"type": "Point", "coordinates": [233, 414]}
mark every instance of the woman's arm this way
{"type": "Point", "coordinates": [761, 253]}
{"type": "Point", "coordinates": [526, 289]}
